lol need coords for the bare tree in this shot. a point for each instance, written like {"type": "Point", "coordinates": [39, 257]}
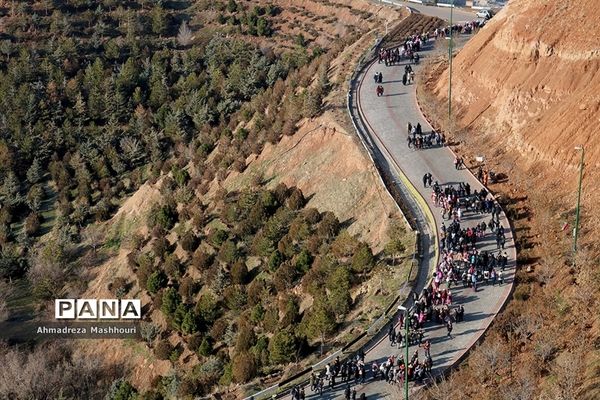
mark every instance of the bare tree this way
{"type": "Point", "coordinates": [521, 388]}
{"type": "Point", "coordinates": [148, 331]}
{"type": "Point", "coordinates": [185, 35]}
{"type": "Point", "coordinates": [569, 374]}
{"type": "Point", "coordinates": [46, 272]}
{"type": "Point", "coordinates": [50, 372]}
{"type": "Point", "coordinates": [490, 359]}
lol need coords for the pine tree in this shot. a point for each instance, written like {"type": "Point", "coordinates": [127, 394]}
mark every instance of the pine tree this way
{"type": "Point", "coordinates": [11, 190]}
{"type": "Point", "coordinates": [189, 324]}
{"type": "Point", "coordinates": [282, 347]}
{"type": "Point", "coordinates": [394, 248]}
{"type": "Point", "coordinates": [159, 20]}
{"type": "Point", "coordinates": [231, 6]}
{"type": "Point", "coordinates": [35, 173]}
{"type": "Point", "coordinates": [35, 197]}
{"type": "Point", "coordinates": [321, 320]}
{"type": "Point", "coordinates": [156, 281]}
{"type": "Point", "coordinates": [159, 90]}
{"type": "Point", "coordinates": [363, 258]}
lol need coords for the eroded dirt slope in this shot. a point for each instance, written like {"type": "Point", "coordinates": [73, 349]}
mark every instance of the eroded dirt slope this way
{"type": "Point", "coordinates": [526, 92]}
{"type": "Point", "coordinates": [326, 161]}
{"type": "Point", "coordinates": [532, 77]}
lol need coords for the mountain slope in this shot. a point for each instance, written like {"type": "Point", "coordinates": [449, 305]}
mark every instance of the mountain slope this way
{"type": "Point", "coordinates": [532, 76]}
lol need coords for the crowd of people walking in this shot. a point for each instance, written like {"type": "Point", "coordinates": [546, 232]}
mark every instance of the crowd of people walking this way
{"type": "Point", "coordinates": [462, 260]}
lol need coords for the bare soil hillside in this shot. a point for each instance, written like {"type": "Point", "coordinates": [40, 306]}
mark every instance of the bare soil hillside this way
{"type": "Point", "coordinates": [525, 93]}
{"type": "Point", "coordinates": [531, 77]}
{"type": "Point", "coordinates": [323, 158]}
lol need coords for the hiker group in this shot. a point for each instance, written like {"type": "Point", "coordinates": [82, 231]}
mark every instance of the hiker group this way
{"type": "Point", "coordinates": [378, 77]}
{"type": "Point", "coordinates": [417, 140]}
{"type": "Point", "coordinates": [461, 261]}
{"type": "Point", "coordinates": [408, 50]}
{"type": "Point", "coordinates": [351, 371]}
{"type": "Point", "coordinates": [465, 28]}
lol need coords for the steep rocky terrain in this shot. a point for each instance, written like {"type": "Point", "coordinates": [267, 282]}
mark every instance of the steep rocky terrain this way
{"type": "Point", "coordinates": [531, 77]}
{"type": "Point", "coordinates": [525, 93]}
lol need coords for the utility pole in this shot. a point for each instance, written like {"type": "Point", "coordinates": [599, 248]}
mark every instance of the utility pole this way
{"type": "Point", "coordinates": [405, 311]}
{"type": "Point", "coordinates": [576, 231]}
{"type": "Point", "coordinates": [450, 71]}
{"type": "Point", "coordinates": [406, 356]}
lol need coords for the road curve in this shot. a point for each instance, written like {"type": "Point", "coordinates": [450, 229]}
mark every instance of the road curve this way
{"type": "Point", "coordinates": [385, 119]}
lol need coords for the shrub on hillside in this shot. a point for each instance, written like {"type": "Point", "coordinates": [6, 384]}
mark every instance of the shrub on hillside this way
{"type": "Point", "coordinates": [163, 216]}
{"type": "Point", "coordinates": [296, 199]}
{"type": "Point", "coordinates": [189, 241]}
{"type": "Point", "coordinates": [32, 224]}
{"type": "Point", "coordinates": [329, 225]}
{"type": "Point", "coordinates": [245, 337]}
{"type": "Point", "coordinates": [205, 349]}
{"type": "Point", "coordinates": [170, 301]}
{"type": "Point", "coordinates": [282, 347]}
{"type": "Point", "coordinates": [363, 258]}
{"type": "Point", "coordinates": [235, 297]}
{"type": "Point", "coordinates": [202, 260]}
{"type": "Point", "coordinates": [244, 367]}
{"type": "Point", "coordinates": [239, 272]}
{"type": "Point", "coordinates": [173, 266]}
{"type": "Point", "coordinates": [121, 390]}
{"type": "Point", "coordinates": [208, 307]}
{"type": "Point", "coordinates": [163, 350]}
{"type": "Point", "coordinates": [156, 281]}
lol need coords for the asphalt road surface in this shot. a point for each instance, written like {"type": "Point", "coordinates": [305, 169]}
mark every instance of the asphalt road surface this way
{"type": "Point", "coordinates": [387, 118]}
{"type": "Point", "coordinates": [459, 14]}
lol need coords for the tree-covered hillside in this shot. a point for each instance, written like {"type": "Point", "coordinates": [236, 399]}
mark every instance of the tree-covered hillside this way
{"type": "Point", "coordinates": [96, 95]}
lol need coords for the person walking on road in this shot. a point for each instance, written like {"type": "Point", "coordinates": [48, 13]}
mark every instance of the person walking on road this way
{"type": "Point", "coordinates": [427, 179]}
{"type": "Point", "coordinates": [426, 347]}
{"type": "Point", "coordinates": [449, 327]}
{"type": "Point", "coordinates": [404, 79]}
{"type": "Point", "coordinates": [459, 163]}
{"type": "Point", "coordinates": [392, 335]}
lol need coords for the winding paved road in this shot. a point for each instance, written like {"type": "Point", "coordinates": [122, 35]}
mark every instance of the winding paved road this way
{"type": "Point", "coordinates": [386, 119]}
{"type": "Point", "coordinates": [460, 14]}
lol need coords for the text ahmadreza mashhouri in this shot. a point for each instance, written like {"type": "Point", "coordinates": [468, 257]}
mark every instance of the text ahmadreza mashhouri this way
{"type": "Point", "coordinates": [93, 329]}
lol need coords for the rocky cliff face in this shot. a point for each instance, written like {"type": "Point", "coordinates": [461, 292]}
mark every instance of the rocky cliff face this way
{"type": "Point", "coordinates": [531, 80]}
